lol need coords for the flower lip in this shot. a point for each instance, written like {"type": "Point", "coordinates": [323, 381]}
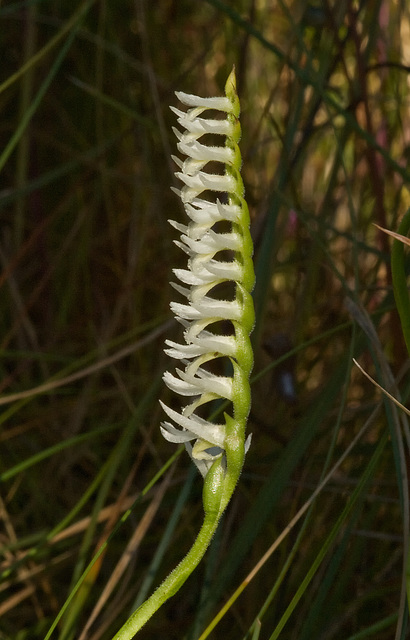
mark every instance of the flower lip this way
{"type": "Point", "coordinates": [202, 181]}
{"type": "Point", "coordinates": [202, 152]}
{"type": "Point", "coordinates": [208, 308]}
{"type": "Point", "coordinates": [219, 104]}
{"type": "Point", "coordinates": [200, 428]}
{"type": "Point", "coordinates": [204, 382]}
{"type": "Point", "coordinates": [200, 126]}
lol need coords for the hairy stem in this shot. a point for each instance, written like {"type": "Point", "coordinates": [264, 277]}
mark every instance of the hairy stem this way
{"type": "Point", "coordinates": [215, 484]}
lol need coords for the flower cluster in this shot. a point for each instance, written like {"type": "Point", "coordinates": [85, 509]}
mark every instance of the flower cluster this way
{"type": "Point", "coordinates": [219, 248]}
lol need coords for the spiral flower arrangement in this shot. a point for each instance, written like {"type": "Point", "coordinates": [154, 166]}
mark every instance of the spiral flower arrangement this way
{"type": "Point", "coordinates": [218, 227]}
{"type": "Point", "coordinates": [219, 248]}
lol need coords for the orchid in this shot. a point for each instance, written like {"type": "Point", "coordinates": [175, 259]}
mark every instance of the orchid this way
{"type": "Point", "coordinates": [216, 326]}
{"type": "Point", "coordinates": [204, 242]}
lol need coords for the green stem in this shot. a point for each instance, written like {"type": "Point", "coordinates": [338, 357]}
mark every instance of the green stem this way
{"type": "Point", "coordinates": [219, 485]}
{"type": "Point", "coordinates": [173, 582]}
{"type": "Point", "coordinates": [401, 292]}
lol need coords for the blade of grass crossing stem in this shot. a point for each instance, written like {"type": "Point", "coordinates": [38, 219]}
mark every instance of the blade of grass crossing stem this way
{"type": "Point", "coordinates": [103, 547]}
{"type": "Point", "coordinates": [166, 539]}
{"type": "Point", "coordinates": [212, 563]}
{"type": "Point", "coordinates": [367, 475]}
{"type": "Point", "coordinates": [116, 459]}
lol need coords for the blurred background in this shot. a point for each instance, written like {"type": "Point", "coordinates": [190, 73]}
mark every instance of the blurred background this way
{"type": "Point", "coordinates": [85, 261]}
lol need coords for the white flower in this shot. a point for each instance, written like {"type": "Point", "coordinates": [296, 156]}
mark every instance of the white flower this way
{"type": "Point", "coordinates": [215, 258]}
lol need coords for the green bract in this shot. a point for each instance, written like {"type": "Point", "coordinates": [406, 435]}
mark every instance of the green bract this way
{"type": "Point", "coordinates": [219, 248]}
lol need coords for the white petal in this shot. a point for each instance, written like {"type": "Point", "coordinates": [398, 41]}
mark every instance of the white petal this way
{"type": "Point", "coordinates": [198, 264]}
{"type": "Point", "coordinates": [224, 309]}
{"type": "Point", "coordinates": [198, 294]}
{"type": "Point", "coordinates": [185, 311]}
{"type": "Point", "coordinates": [207, 341]}
{"type": "Point", "coordinates": [188, 277]}
{"type": "Point", "coordinates": [192, 236]}
{"type": "Point", "coordinates": [203, 216]}
{"type": "Point", "coordinates": [203, 181]}
{"type": "Point", "coordinates": [183, 386]}
{"type": "Point", "coordinates": [203, 125]}
{"type": "Point", "coordinates": [183, 246]}
{"type": "Point", "coordinates": [213, 433]}
{"type": "Point", "coordinates": [182, 351]}
{"type": "Point", "coordinates": [207, 125]}
{"type": "Point", "coordinates": [177, 191]}
{"type": "Point", "coordinates": [231, 241]}
{"type": "Point", "coordinates": [197, 231]}
{"type": "Point", "coordinates": [182, 228]}
{"type": "Point", "coordinates": [182, 290]}
{"type": "Point", "coordinates": [212, 242]}
{"type": "Point", "coordinates": [178, 162]}
{"type": "Point", "coordinates": [188, 195]}
{"type": "Point", "coordinates": [197, 246]}
{"type": "Point", "coordinates": [229, 211]}
{"type": "Point", "coordinates": [220, 104]}
{"type": "Point", "coordinates": [172, 434]}
{"type": "Point", "coordinates": [178, 134]}
{"type": "Point", "coordinates": [205, 212]}
{"type": "Point", "coordinates": [208, 308]}
{"type": "Point", "coordinates": [229, 270]}
{"type": "Point", "coordinates": [191, 166]}
{"type": "Point", "coordinates": [205, 153]}
{"type": "Point", "coordinates": [178, 112]}
{"type": "Point", "coordinates": [204, 382]}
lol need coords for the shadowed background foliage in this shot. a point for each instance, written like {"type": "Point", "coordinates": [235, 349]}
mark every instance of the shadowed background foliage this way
{"type": "Point", "coordinates": [86, 255]}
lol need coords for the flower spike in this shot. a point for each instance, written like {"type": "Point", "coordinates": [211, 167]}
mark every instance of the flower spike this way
{"type": "Point", "coordinates": [217, 316]}
{"type": "Point", "coordinates": [219, 248]}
